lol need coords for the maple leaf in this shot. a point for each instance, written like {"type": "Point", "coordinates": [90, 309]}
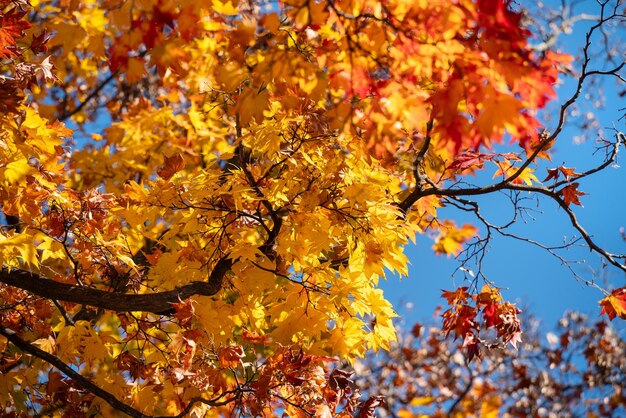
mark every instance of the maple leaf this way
{"type": "Point", "coordinates": [225, 7]}
{"type": "Point", "coordinates": [506, 169]}
{"type": "Point", "coordinates": [498, 113]}
{"type": "Point", "coordinates": [231, 356]}
{"type": "Point", "coordinates": [554, 173]}
{"type": "Point", "coordinates": [254, 338]}
{"type": "Point", "coordinates": [615, 304]}
{"type": "Point", "coordinates": [46, 68]}
{"type": "Point", "coordinates": [451, 238]}
{"type": "Point", "coordinates": [491, 314]}
{"type": "Point", "coordinates": [296, 128]}
{"type": "Point", "coordinates": [369, 407]}
{"type": "Point", "coordinates": [508, 327]}
{"type": "Point", "coordinates": [570, 194]}
{"type": "Point", "coordinates": [471, 346]}
{"type": "Point", "coordinates": [460, 295]}
{"type": "Point", "coordinates": [38, 43]}
{"type": "Point", "coordinates": [185, 311]}
{"type": "Point", "coordinates": [470, 160]}
{"type": "Point", "coordinates": [460, 320]}
{"type": "Point", "coordinates": [172, 165]}
{"type": "Point", "coordinates": [12, 27]}
{"type": "Point", "coordinates": [488, 295]}
{"type": "Point", "coordinates": [568, 172]}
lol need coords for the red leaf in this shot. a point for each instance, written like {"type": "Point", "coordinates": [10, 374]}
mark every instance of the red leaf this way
{"type": "Point", "coordinates": [470, 343]}
{"type": "Point", "coordinates": [10, 94]}
{"type": "Point", "coordinates": [555, 172]}
{"type": "Point", "coordinates": [491, 315]}
{"type": "Point", "coordinates": [11, 27]}
{"type": "Point", "coordinates": [38, 43]}
{"type": "Point", "coordinates": [460, 320]}
{"type": "Point", "coordinates": [470, 160]}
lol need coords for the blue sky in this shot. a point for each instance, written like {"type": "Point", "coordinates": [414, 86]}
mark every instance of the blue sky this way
{"type": "Point", "coordinates": [530, 276]}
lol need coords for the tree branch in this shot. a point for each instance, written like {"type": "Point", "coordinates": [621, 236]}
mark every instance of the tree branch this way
{"type": "Point", "coordinates": [158, 303]}
{"type": "Point", "coordinates": [611, 258]}
{"type": "Point", "coordinates": [67, 114]}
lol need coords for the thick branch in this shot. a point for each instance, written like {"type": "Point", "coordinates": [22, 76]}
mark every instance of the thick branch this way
{"type": "Point", "coordinates": [159, 303]}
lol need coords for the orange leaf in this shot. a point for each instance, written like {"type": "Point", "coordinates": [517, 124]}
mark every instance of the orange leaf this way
{"type": "Point", "coordinates": [471, 160]}
{"type": "Point", "coordinates": [254, 338]}
{"type": "Point", "coordinates": [153, 257]}
{"type": "Point", "coordinates": [451, 238]}
{"type": "Point", "coordinates": [230, 356]}
{"type": "Point", "coordinates": [460, 295]}
{"type": "Point", "coordinates": [570, 194]}
{"type": "Point", "coordinates": [615, 304]}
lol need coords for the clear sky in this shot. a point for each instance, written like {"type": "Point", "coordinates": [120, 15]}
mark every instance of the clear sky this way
{"type": "Point", "coordinates": [530, 276]}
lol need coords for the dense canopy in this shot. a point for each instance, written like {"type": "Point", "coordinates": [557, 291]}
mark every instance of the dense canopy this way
{"type": "Point", "coordinates": [200, 197]}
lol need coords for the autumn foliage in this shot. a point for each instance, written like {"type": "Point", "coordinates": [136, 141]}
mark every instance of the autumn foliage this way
{"type": "Point", "coordinates": [200, 197]}
{"type": "Point", "coordinates": [574, 369]}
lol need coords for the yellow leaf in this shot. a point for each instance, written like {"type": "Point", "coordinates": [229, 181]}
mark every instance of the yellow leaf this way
{"type": "Point", "coordinates": [506, 170]}
{"type": "Point", "coordinates": [16, 171]}
{"type": "Point", "coordinates": [421, 401]}
{"type": "Point", "coordinates": [451, 238]}
{"type": "Point", "coordinates": [32, 120]}
{"type": "Point", "coordinates": [46, 344]}
{"type": "Point", "coordinates": [19, 245]}
{"type": "Point", "coordinates": [225, 8]}
{"type": "Point", "coordinates": [491, 407]}
{"type": "Point", "coordinates": [51, 249]}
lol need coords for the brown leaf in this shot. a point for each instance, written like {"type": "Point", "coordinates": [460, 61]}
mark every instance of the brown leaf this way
{"type": "Point", "coordinates": [10, 95]}
{"type": "Point", "coordinates": [171, 166]}
{"type": "Point", "coordinates": [369, 407]}
{"type": "Point", "coordinates": [570, 194]}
